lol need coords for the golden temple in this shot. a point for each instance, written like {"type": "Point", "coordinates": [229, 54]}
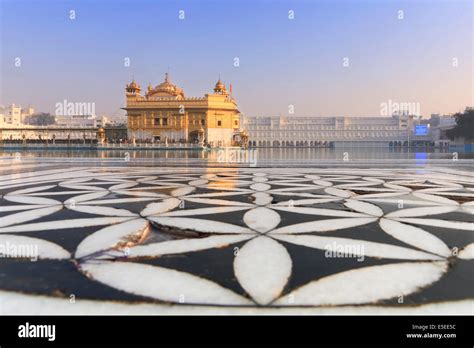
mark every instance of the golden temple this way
{"type": "Point", "coordinates": [165, 114]}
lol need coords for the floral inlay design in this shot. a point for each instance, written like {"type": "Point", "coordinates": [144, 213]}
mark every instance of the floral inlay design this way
{"type": "Point", "coordinates": [257, 238]}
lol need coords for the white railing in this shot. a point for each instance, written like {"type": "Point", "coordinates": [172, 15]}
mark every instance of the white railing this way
{"type": "Point", "coordinates": [149, 146]}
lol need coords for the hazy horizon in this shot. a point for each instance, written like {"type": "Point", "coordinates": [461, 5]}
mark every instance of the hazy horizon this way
{"type": "Point", "coordinates": [425, 58]}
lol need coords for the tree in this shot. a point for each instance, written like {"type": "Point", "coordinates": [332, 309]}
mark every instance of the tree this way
{"type": "Point", "coordinates": [464, 126]}
{"type": "Point", "coordinates": [42, 119]}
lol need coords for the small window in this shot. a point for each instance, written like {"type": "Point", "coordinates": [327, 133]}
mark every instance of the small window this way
{"type": "Point", "coordinates": [203, 122]}
{"type": "Point", "coordinates": [236, 122]}
{"type": "Point", "coordinates": [219, 123]}
{"type": "Point", "coordinates": [165, 121]}
{"type": "Point", "coordinates": [157, 121]}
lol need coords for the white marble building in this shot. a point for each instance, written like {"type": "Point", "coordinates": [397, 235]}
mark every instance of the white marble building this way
{"type": "Point", "coordinates": [287, 131]}
{"type": "Point", "coordinates": [14, 115]}
{"type": "Point", "coordinates": [80, 121]}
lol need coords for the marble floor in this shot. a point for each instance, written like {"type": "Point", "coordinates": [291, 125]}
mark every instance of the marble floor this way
{"type": "Point", "coordinates": [78, 239]}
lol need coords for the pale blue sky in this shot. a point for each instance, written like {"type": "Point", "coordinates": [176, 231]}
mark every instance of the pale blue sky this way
{"type": "Point", "coordinates": [282, 61]}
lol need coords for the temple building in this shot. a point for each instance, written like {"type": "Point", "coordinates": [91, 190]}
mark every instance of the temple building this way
{"type": "Point", "coordinates": [164, 114]}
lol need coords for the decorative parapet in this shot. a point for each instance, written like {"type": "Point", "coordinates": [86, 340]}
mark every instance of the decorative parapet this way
{"type": "Point", "coordinates": [176, 103]}
{"type": "Point", "coordinates": [166, 103]}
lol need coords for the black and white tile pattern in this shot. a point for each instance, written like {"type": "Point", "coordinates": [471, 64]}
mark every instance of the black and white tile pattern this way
{"type": "Point", "coordinates": [214, 240]}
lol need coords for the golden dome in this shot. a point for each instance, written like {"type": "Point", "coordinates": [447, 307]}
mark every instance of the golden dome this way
{"type": "Point", "coordinates": [166, 88]}
{"type": "Point", "coordinates": [220, 87]}
{"type": "Point", "coordinates": [132, 86]}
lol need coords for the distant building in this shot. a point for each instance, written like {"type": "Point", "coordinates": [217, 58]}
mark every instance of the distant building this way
{"type": "Point", "coordinates": [14, 115]}
{"type": "Point", "coordinates": [290, 131]}
{"type": "Point", "coordinates": [165, 114]}
{"type": "Point", "coordinates": [83, 121]}
{"type": "Point", "coordinates": [114, 121]}
{"type": "Point", "coordinates": [77, 129]}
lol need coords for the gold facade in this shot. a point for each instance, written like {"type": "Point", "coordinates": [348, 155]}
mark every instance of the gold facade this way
{"type": "Point", "coordinates": [164, 114]}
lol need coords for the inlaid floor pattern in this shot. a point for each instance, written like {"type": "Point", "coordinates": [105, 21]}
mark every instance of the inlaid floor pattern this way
{"type": "Point", "coordinates": [210, 239]}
